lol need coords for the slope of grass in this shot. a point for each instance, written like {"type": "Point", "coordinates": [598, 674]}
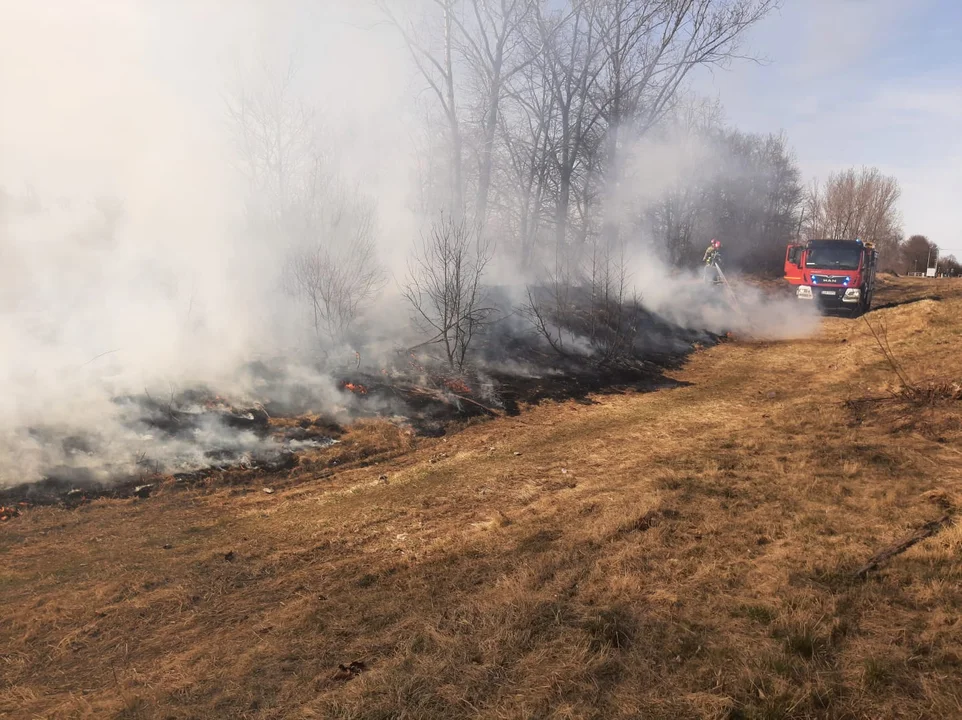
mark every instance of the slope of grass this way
{"type": "Point", "coordinates": [686, 553]}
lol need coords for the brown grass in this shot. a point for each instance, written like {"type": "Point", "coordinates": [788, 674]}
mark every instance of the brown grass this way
{"type": "Point", "coordinates": [687, 553]}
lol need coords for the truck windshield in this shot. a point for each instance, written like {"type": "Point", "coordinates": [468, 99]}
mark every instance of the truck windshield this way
{"type": "Point", "coordinates": [833, 257]}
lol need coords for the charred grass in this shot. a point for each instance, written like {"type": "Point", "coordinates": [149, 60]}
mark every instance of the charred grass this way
{"type": "Point", "coordinates": [688, 553]}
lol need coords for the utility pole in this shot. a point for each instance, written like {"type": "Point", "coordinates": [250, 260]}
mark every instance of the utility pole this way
{"type": "Point", "coordinates": [928, 262]}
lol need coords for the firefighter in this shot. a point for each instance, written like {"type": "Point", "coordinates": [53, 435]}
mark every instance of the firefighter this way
{"type": "Point", "coordinates": [711, 253]}
{"type": "Point", "coordinates": [711, 258]}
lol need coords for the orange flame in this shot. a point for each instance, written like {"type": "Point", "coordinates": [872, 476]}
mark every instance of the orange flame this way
{"type": "Point", "coordinates": [456, 385]}
{"type": "Point", "coordinates": [413, 362]}
{"type": "Point", "coordinates": [8, 513]}
{"type": "Point", "coordinates": [355, 388]}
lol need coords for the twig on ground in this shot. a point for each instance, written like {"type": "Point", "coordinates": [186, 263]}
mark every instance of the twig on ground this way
{"type": "Point", "coordinates": [882, 339]}
{"type": "Point", "coordinates": [475, 402]}
{"type": "Point", "coordinates": [926, 531]}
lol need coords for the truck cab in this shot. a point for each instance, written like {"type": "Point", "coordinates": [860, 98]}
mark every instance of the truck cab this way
{"type": "Point", "coordinates": [833, 274]}
{"type": "Point", "coordinates": [793, 265]}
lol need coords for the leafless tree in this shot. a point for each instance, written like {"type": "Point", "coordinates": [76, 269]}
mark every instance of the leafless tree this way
{"type": "Point", "coordinates": [334, 268]}
{"type": "Point", "coordinates": [479, 48]}
{"type": "Point", "coordinates": [298, 200]}
{"type": "Point", "coordinates": [950, 266]}
{"type": "Point", "coordinates": [570, 65]}
{"type": "Point", "coordinates": [493, 48]}
{"type": "Point", "coordinates": [856, 204]}
{"type": "Point", "coordinates": [274, 133]}
{"type": "Point", "coordinates": [445, 289]}
{"type": "Point", "coordinates": [437, 67]}
{"type": "Point", "coordinates": [590, 310]}
{"type": "Point", "coordinates": [613, 70]}
{"type": "Point", "coordinates": [615, 309]}
{"type": "Point", "coordinates": [650, 47]}
{"type": "Point", "coordinates": [548, 94]}
{"type": "Point", "coordinates": [742, 188]}
{"type": "Point", "coordinates": [523, 195]}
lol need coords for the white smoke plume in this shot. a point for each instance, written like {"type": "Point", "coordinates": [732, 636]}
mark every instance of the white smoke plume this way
{"type": "Point", "coordinates": [127, 263]}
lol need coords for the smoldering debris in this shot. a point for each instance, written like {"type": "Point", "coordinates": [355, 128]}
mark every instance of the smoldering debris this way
{"type": "Point", "coordinates": [186, 435]}
{"type": "Point", "coordinates": [154, 235]}
{"type": "Point", "coordinates": [189, 435]}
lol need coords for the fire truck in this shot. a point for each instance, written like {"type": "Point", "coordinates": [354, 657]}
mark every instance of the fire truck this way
{"type": "Point", "coordinates": [833, 274]}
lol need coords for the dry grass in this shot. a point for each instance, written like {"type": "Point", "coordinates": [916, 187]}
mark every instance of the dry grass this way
{"type": "Point", "coordinates": [687, 553]}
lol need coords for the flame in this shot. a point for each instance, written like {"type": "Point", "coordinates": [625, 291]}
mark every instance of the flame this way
{"type": "Point", "coordinates": [413, 362]}
{"type": "Point", "coordinates": [8, 513]}
{"type": "Point", "coordinates": [457, 385]}
{"type": "Point", "coordinates": [356, 388]}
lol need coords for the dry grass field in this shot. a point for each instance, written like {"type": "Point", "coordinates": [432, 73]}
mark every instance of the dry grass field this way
{"type": "Point", "coordinates": [686, 553]}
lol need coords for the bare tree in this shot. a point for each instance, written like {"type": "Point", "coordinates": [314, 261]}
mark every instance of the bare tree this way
{"type": "Point", "coordinates": [548, 93]}
{"type": "Point", "coordinates": [595, 315]}
{"type": "Point", "coordinates": [740, 187]}
{"type": "Point", "coordinates": [570, 64]}
{"type": "Point", "coordinates": [438, 70]}
{"type": "Point", "coordinates": [493, 48]}
{"type": "Point", "coordinates": [526, 174]}
{"type": "Point", "coordinates": [856, 204]}
{"type": "Point", "coordinates": [334, 268]}
{"type": "Point", "coordinates": [298, 200]}
{"type": "Point", "coordinates": [445, 289]}
{"type": "Point", "coordinates": [274, 136]}
{"type": "Point", "coordinates": [614, 308]}
{"type": "Point", "coordinates": [650, 47]}
{"type": "Point", "coordinates": [950, 266]}
{"type": "Point", "coordinates": [614, 69]}
{"type": "Point", "coordinates": [813, 211]}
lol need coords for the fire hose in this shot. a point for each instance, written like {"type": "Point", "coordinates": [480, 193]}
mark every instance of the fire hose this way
{"type": "Point", "coordinates": [730, 293]}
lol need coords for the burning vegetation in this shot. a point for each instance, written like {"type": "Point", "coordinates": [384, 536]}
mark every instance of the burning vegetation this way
{"type": "Point", "coordinates": [355, 388]}
{"type": "Point", "coordinates": [9, 512]}
{"type": "Point", "coordinates": [192, 435]}
{"type": "Point", "coordinates": [522, 278]}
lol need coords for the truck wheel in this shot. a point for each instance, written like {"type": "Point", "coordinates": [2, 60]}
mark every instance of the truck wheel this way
{"type": "Point", "coordinates": [860, 307]}
{"type": "Point", "coordinates": [863, 305]}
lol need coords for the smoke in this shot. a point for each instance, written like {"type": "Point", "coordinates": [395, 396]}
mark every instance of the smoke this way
{"type": "Point", "coordinates": [685, 158]}
{"type": "Point", "coordinates": [130, 269]}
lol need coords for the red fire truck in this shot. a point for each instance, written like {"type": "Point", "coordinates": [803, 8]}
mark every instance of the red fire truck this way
{"type": "Point", "coordinates": [834, 274]}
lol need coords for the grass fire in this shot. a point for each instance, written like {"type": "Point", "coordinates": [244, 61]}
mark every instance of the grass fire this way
{"type": "Point", "coordinates": [477, 359]}
{"type": "Point", "coordinates": [355, 388]}
{"type": "Point", "coordinates": [715, 526]}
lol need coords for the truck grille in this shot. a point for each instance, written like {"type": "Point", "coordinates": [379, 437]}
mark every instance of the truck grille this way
{"type": "Point", "coordinates": [828, 279]}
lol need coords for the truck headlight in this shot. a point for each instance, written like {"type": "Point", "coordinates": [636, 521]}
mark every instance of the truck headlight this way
{"type": "Point", "coordinates": [851, 295]}
{"type": "Point", "coordinates": [804, 292]}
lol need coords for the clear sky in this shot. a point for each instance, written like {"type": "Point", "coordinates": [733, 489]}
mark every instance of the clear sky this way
{"type": "Point", "coordinates": [863, 82]}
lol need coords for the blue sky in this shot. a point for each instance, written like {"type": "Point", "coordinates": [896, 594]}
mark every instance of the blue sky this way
{"type": "Point", "coordinates": [863, 82]}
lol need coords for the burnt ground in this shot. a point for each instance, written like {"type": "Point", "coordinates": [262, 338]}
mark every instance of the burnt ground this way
{"type": "Point", "coordinates": [515, 368]}
{"type": "Point", "coordinates": [414, 390]}
{"type": "Point", "coordinates": [432, 407]}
